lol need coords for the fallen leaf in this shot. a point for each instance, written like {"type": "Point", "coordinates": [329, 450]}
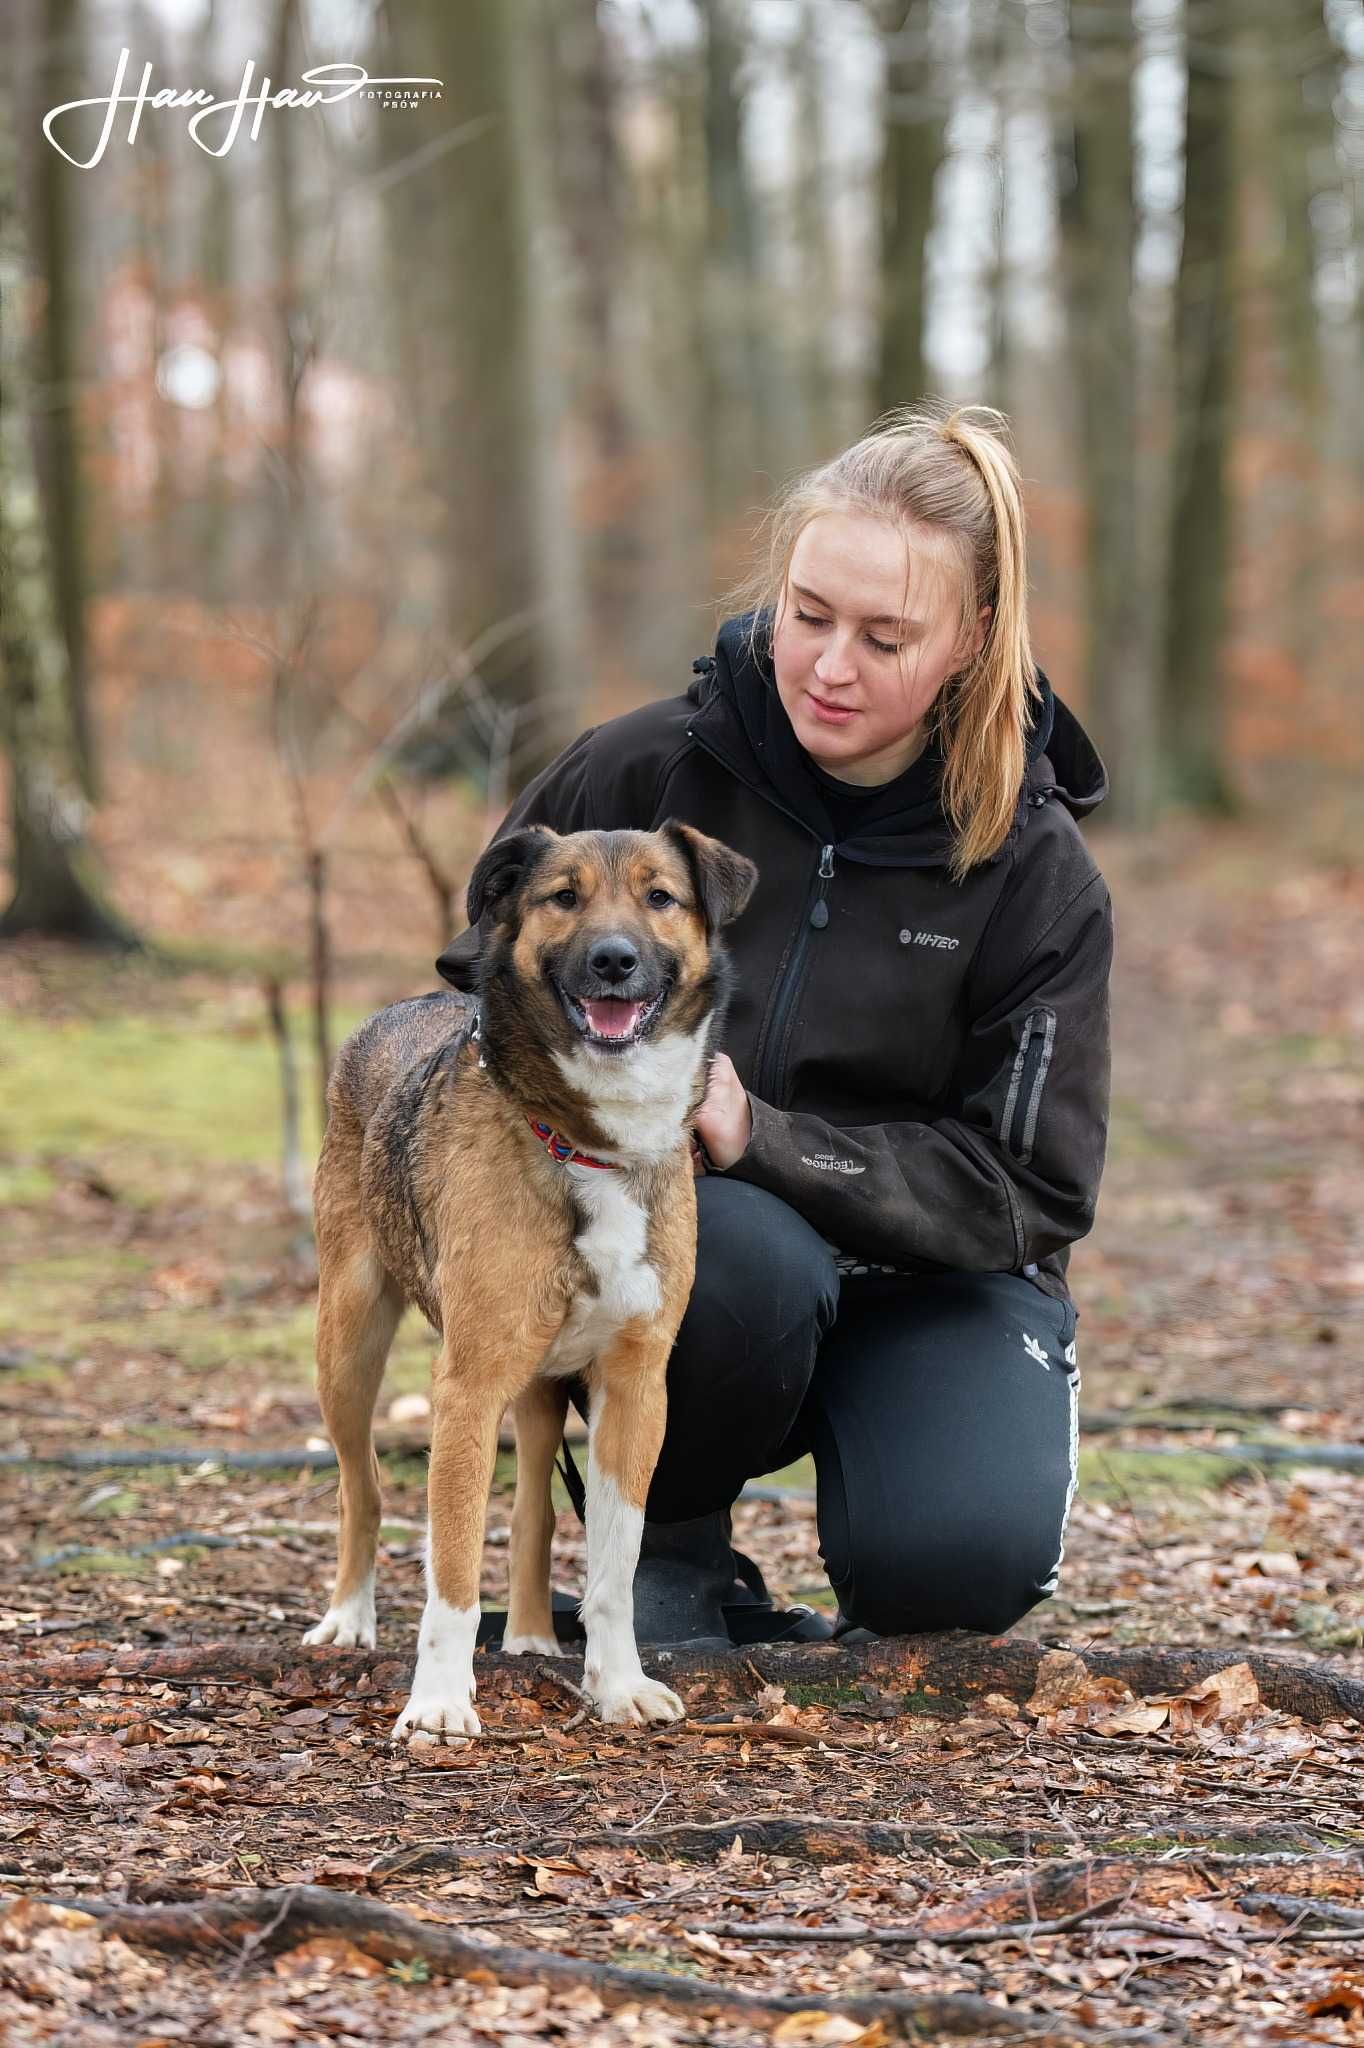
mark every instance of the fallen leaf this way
{"type": "Point", "coordinates": [327, 1955]}
{"type": "Point", "coordinates": [816, 2027]}
{"type": "Point", "coordinates": [1344, 1995]}
{"type": "Point", "coordinates": [269, 2023]}
{"type": "Point", "coordinates": [1061, 1680]}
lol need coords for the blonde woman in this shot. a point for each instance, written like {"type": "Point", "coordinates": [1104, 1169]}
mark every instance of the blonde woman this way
{"type": "Point", "coordinates": [906, 1130]}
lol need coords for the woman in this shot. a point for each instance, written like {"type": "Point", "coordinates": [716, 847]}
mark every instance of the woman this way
{"type": "Point", "coordinates": [906, 1131]}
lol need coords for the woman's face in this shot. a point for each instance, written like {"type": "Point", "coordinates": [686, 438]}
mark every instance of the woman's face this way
{"type": "Point", "coordinates": [858, 662]}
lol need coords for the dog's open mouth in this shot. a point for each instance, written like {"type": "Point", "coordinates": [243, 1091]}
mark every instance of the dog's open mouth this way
{"type": "Point", "coordinates": [612, 1021]}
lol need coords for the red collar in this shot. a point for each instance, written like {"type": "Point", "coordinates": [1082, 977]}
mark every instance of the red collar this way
{"type": "Point", "coordinates": [562, 1148]}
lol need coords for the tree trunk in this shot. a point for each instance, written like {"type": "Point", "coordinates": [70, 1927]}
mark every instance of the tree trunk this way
{"type": "Point", "coordinates": [1303, 78]}
{"type": "Point", "coordinates": [915, 125]}
{"type": "Point", "coordinates": [1098, 253]}
{"type": "Point", "coordinates": [588, 182]}
{"type": "Point", "coordinates": [55, 259]}
{"type": "Point", "coordinates": [285, 526]}
{"type": "Point", "coordinates": [816, 255]}
{"type": "Point", "coordinates": [1193, 770]}
{"type": "Point", "coordinates": [55, 888]}
{"type": "Point", "coordinates": [487, 429]}
{"type": "Point", "coordinates": [212, 514]}
{"type": "Point", "coordinates": [737, 386]}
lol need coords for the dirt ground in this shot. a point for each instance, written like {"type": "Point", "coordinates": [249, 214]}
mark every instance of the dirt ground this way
{"type": "Point", "coordinates": [1080, 1856]}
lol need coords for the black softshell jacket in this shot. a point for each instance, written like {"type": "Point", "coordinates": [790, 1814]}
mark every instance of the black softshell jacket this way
{"type": "Point", "coordinates": [928, 1062]}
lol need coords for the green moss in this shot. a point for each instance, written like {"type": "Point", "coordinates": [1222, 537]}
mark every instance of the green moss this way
{"type": "Point", "coordinates": [939, 1706]}
{"type": "Point", "coordinates": [1107, 1474]}
{"type": "Point", "coordinates": [657, 1959]}
{"type": "Point", "coordinates": [113, 1564]}
{"type": "Point", "coordinates": [825, 1692]}
{"type": "Point", "coordinates": [987, 1848]}
{"type": "Point", "coordinates": [121, 1503]}
{"type": "Point", "coordinates": [1325, 1629]}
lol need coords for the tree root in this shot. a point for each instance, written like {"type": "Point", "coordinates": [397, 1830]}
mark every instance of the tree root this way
{"type": "Point", "coordinates": [943, 1674]}
{"type": "Point", "coordinates": [242, 1924]}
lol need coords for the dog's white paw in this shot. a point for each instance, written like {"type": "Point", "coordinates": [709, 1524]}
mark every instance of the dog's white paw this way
{"type": "Point", "coordinates": [445, 1719]}
{"type": "Point", "coordinates": [533, 1646]}
{"type": "Point", "coordinates": [347, 1627]}
{"type": "Point", "coordinates": [637, 1703]}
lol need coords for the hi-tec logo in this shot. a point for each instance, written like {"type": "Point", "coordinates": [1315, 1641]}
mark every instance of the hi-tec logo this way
{"type": "Point", "coordinates": [829, 1162]}
{"type": "Point", "coordinates": [326, 85]}
{"type": "Point", "coordinates": [939, 939]}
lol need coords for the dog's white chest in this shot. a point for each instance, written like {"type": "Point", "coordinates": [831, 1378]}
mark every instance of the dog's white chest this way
{"type": "Point", "coordinates": [613, 1243]}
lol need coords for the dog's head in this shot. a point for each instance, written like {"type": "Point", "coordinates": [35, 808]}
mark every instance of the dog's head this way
{"type": "Point", "coordinates": [603, 940]}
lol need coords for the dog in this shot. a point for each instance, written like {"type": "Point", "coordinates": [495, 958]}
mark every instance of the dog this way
{"type": "Point", "coordinates": [514, 1158]}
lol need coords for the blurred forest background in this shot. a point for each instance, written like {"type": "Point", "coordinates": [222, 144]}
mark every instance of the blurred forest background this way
{"type": "Point", "coordinates": [348, 474]}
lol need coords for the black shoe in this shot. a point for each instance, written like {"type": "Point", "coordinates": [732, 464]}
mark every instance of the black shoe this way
{"type": "Point", "coordinates": [846, 1631]}
{"type": "Point", "coordinates": [692, 1587]}
{"type": "Point", "coordinates": [684, 1576]}
{"type": "Point", "coordinates": [751, 1617]}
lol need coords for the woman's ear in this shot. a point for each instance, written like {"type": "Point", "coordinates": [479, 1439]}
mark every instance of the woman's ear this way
{"type": "Point", "coordinates": [983, 618]}
{"type": "Point", "coordinates": [724, 879]}
{"type": "Point", "coordinates": [501, 870]}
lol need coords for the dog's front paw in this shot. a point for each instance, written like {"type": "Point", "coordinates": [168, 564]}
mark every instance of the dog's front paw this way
{"type": "Point", "coordinates": [445, 1719]}
{"type": "Point", "coordinates": [533, 1646]}
{"type": "Point", "coordinates": [637, 1703]}
{"type": "Point", "coordinates": [347, 1627]}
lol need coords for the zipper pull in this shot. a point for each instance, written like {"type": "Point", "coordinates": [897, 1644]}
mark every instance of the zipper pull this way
{"type": "Point", "coordinates": [826, 863]}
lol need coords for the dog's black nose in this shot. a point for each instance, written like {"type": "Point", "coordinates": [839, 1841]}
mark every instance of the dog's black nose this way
{"type": "Point", "coordinates": [613, 959]}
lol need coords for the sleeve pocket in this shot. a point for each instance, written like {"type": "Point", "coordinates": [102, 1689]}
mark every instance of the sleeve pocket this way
{"type": "Point", "coordinates": [1027, 1079]}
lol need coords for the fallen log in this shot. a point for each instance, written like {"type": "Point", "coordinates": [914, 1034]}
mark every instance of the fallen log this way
{"type": "Point", "coordinates": [189, 1457]}
{"type": "Point", "coordinates": [936, 1674]}
{"type": "Point", "coordinates": [389, 1443]}
{"type": "Point", "coordinates": [811, 1838]}
{"type": "Point", "coordinates": [241, 1924]}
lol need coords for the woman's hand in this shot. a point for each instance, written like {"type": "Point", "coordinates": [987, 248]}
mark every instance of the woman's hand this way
{"type": "Point", "coordinates": [724, 1122]}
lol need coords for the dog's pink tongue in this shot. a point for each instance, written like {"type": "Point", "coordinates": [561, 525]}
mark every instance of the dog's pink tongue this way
{"type": "Point", "coordinates": [612, 1016]}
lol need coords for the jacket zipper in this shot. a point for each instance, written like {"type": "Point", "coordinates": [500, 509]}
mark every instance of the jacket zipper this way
{"type": "Point", "coordinates": [770, 1077]}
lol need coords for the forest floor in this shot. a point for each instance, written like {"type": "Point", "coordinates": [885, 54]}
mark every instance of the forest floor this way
{"type": "Point", "coordinates": [1063, 1836]}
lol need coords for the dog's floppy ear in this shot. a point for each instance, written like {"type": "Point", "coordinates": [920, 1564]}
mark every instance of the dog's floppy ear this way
{"type": "Point", "coordinates": [501, 868]}
{"type": "Point", "coordinates": [496, 875]}
{"type": "Point", "coordinates": [724, 879]}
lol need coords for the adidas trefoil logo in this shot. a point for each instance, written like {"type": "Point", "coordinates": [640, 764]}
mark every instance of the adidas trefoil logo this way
{"type": "Point", "coordinates": [1034, 1350]}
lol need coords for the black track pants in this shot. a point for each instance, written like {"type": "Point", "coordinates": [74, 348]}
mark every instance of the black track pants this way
{"type": "Point", "coordinates": [941, 1412]}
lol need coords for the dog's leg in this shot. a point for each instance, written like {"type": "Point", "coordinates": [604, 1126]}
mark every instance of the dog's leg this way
{"type": "Point", "coordinates": [539, 1416]}
{"type": "Point", "coordinates": [470, 1397]}
{"type": "Point", "coordinates": [357, 1313]}
{"type": "Point", "coordinates": [628, 1409]}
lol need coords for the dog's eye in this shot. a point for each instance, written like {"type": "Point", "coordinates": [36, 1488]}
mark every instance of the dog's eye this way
{"type": "Point", "coordinates": [659, 899]}
{"type": "Point", "coordinates": [567, 899]}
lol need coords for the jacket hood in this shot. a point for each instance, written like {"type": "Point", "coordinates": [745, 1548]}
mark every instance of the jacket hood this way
{"type": "Point", "coordinates": [742, 720]}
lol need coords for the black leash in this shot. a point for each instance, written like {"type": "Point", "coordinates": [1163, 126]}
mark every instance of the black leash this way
{"type": "Point", "coordinates": [573, 1481]}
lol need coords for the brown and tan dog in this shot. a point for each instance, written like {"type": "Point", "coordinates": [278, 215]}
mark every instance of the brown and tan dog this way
{"type": "Point", "coordinates": [520, 1169]}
